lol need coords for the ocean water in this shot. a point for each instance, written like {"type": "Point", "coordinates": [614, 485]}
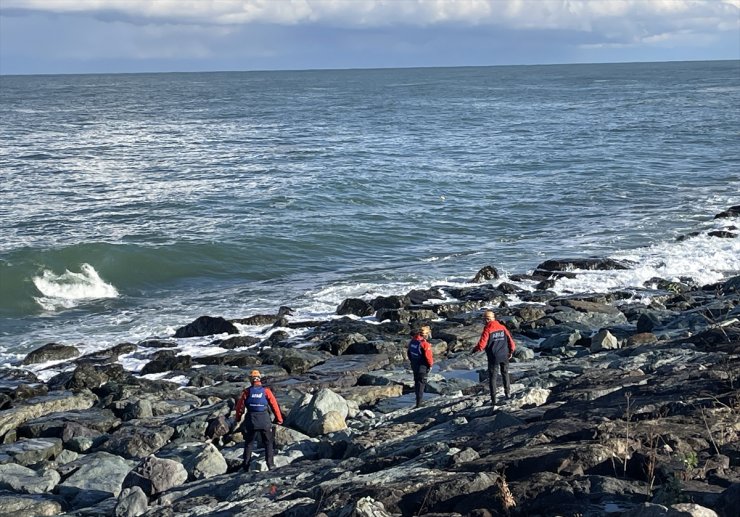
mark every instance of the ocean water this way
{"type": "Point", "coordinates": [134, 203]}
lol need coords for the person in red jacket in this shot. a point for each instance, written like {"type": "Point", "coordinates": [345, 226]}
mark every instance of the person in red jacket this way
{"type": "Point", "coordinates": [256, 400]}
{"type": "Point", "coordinates": [420, 355]}
{"type": "Point", "coordinates": [499, 347]}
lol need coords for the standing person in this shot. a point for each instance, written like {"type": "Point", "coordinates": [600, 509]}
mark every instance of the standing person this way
{"type": "Point", "coordinates": [421, 358]}
{"type": "Point", "coordinates": [256, 399]}
{"type": "Point", "coordinates": [499, 347]}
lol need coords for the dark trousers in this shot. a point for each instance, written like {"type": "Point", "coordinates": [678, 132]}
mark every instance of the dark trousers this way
{"type": "Point", "coordinates": [504, 367]}
{"type": "Point", "coordinates": [420, 382]}
{"type": "Point", "coordinates": [267, 440]}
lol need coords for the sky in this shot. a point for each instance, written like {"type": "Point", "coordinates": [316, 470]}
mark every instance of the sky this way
{"type": "Point", "coordinates": [116, 36]}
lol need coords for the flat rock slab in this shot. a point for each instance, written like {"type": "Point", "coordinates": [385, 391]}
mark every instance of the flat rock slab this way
{"type": "Point", "coordinates": [28, 452]}
{"type": "Point", "coordinates": [52, 425]}
{"type": "Point", "coordinates": [38, 406]}
{"type": "Point", "coordinates": [25, 506]}
{"type": "Point", "coordinates": [98, 476]}
{"type": "Point", "coordinates": [351, 363]}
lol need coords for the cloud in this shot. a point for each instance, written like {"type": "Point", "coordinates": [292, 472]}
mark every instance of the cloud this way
{"type": "Point", "coordinates": [582, 15]}
{"type": "Point", "coordinates": [108, 35]}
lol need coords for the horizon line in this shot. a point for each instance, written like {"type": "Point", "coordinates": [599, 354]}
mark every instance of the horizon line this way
{"type": "Point", "coordinates": [368, 68]}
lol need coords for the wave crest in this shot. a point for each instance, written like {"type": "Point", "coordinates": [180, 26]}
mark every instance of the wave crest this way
{"type": "Point", "coordinates": [70, 288]}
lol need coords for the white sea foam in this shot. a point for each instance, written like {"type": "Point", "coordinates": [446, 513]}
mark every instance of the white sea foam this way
{"type": "Point", "coordinates": [70, 288]}
{"type": "Point", "coordinates": [703, 258]}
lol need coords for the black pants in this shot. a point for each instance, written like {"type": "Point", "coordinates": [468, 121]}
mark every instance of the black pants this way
{"type": "Point", "coordinates": [267, 440]}
{"type": "Point", "coordinates": [420, 382]}
{"type": "Point", "coordinates": [504, 367]}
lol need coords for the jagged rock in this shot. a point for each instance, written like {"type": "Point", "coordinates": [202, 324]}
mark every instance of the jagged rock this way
{"type": "Point", "coordinates": [137, 440]}
{"type": "Point", "coordinates": [132, 502]}
{"type": "Point", "coordinates": [321, 413]}
{"type": "Point", "coordinates": [643, 338]}
{"type": "Point", "coordinates": [157, 343]}
{"type": "Point", "coordinates": [206, 326]}
{"type": "Point", "coordinates": [733, 211]}
{"type": "Point", "coordinates": [356, 307]}
{"type": "Point", "coordinates": [370, 395]}
{"type": "Point", "coordinates": [390, 302]}
{"type": "Point", "coordinates": [604, 340]}
{"type": "Point", "coordinates": [565, 339]}
{"type": "Point", "coordinates": [485, 273]}
{"type": "Point", "coordinates": [405, 315]}
{"type": "Point", "coordinates": [51, 352]}
{"type": "Point", "coordinates": [338, 344]}
{"type": "Point", "coordinates": [294, 361]}
{"type": "Point", "coordinates": [167, 363]}
{"type": "Point", "coordinates": [154, 475]}
{"type": "Point", "coordinates": [200, 460]}
{"type": "Point", "coordinates": [27, 481]}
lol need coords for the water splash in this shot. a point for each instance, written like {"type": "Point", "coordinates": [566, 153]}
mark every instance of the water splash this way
{"type": "Point", "coordinates": [69, 289]}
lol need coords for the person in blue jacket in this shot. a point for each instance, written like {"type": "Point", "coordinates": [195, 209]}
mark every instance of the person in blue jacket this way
{"type": "Point", "coordinates": [421, 358]}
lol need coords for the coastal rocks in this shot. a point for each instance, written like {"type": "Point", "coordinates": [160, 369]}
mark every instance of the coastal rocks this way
{"type": "Point", "coordinates": [590, 264]}
{"type": "Point", "coordinates": [31, 451]}
{"type": "Point", "coordinates": [322, 413]}
{"type": "Point", "coordinates": [294, 361]}
{"type": "Point", "coordinates": [154, 475]}
{"type": "Point", "coordinates": [138, 439]}
{"type": "Point", "coordinates": [603, 340]}
{"type": "Point", "coordinates": [132, 502]}
{"type": "Point", "coordinates": [98, 476]}
{"type": "Point", "coordinates": [733, 211]}
{"type": "Point", "coordinates": [23, 506]}
{"type": "Point", "coordinates": [51, 352]}
{"type": "Point", "coordinates": [206, 326]}
{"type": "Point", "coordinates": [356, 307]}
{"type": "Point", "coordinates": [31, 408]}
{"type": "Point", "coordinates": [27, 481]}
{"type": "Point", "coordinates": [485, 273]}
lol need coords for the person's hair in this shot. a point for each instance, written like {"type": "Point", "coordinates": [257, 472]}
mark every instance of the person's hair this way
{"type": "Point", "coordinates": [419, 328]}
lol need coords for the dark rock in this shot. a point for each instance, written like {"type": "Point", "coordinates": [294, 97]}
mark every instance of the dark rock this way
{"type": "Point", "coordinates": [723, 234]}
{"type": "Point", "coordinates": [261, 320]}
{"type": "Point", "coordinates": [356, 307]}
{"type": "Point", "coordinates": [485, 273]}
{"type": "Point", "coordinates": [390, 302]}
{"type": "Point", "coordinates": [166, 364]}
{"type": "Point", "coordinates": [236, 342]}
{"type": "Point", "coordinates": [589, 264]}
{"type": "Point", "coordinates": [51, 352]}
{"type": "Point", "coordinates": [241, 359]}
{"type": "Point", "coordinates": [405, 315]}
{"type": "Point", "coordinates": [138, 440]}
{"type": "Point", "coordinates": [733, 211]}
{"type": "Point", "coordinates": [157, 343]}
{"type": "Point", "coordinates": [294, 361]}
{"type": "Point", "coordinates": [206, 326]}
{"type": "Point", "coordinates": [109, 355]}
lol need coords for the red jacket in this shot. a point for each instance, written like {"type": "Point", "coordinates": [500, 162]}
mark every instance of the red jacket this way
{"type": "Point", "coordinates": [420, 351]}
{"type": "Point", "coordinates": [496, 340]}
{"type": "Point", "coordinates": [271, 401]}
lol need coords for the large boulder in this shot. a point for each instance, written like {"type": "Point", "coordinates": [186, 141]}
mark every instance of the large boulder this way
{"type": "Point", "coordinates": [43, 405]}
{"type": "Point", "coordinates": [12, 505]}
{"type": "Point", "coordinates": [356, 307]}
{"type": "Point", "coordinates": [138, 439]}
{"type": "Point", "coordinates": [322, 413]}
{"type": "Point", "coordinates": [154, 475]}
{"type": "Point", "coordinates": [28, 452]}
{"type": "Point", "coordinates": [98, 476]}
{"type": "Point", "coordinates": [51, 352]}
{"type": "Point", "coordinates": [206, 326]}
{"type": "Point", "coordinates": [27, 481]}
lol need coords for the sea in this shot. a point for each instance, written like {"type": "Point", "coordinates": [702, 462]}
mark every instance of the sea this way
{"type": "Point", "coordinates": [131, 204]}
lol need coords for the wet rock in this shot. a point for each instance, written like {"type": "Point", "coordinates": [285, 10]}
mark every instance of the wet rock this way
{"type": "Point", "coordinates": [236, 342]}
{"type": "Point", "coordinates": [51, 352]}
{"type": "Point", "coordinates": [206, 326]}
{"type": "Point", "coordinates": [485, 273]}
{"type": "Point", "coordinates": [63, 424]}
{"type": "Point", "coordinates": [589, 264]}
{"type": "Point", "coordinates": [356, 307]}
{"type": "Point", "coordinates": [733, 211]}
{"type": "Point", "coordinates": [294, 361]}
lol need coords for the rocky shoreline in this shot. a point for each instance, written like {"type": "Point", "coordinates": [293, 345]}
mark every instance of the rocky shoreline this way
{"type": "Point", "coordinates": [624, 403]}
